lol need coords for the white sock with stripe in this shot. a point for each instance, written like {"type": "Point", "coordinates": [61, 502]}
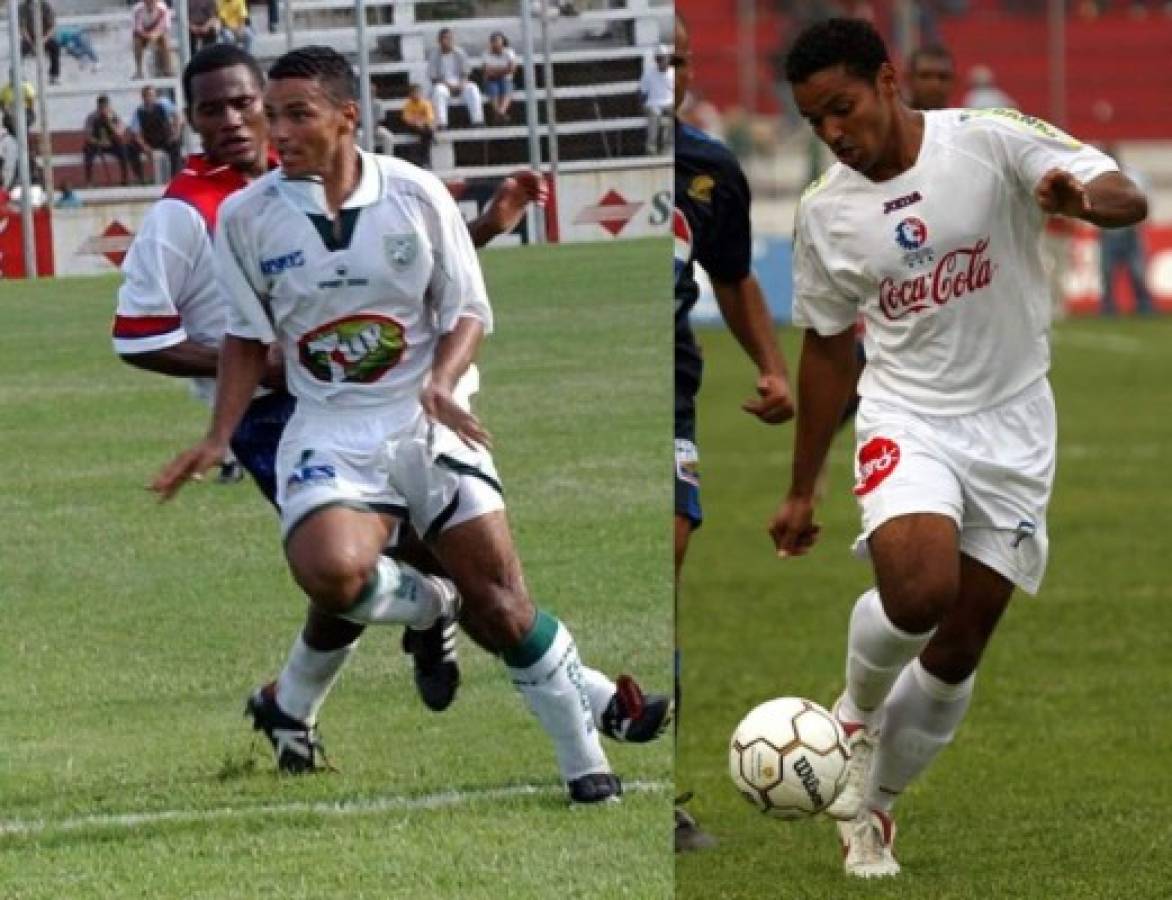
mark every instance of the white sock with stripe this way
{"type": "Point", "coordinates": [308, 676]}
{"type": "Point", "coordinates": [397, 594]}
{"type": "Point", "coordinates": [922, 715]}
{"type": "Point", "coordinates": [546, 670]}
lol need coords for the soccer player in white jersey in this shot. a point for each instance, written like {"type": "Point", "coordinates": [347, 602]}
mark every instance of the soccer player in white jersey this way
{"type": "Point", "coordinates": [361, 269]}
{"type": "Point", "coordinates": [928, 228]}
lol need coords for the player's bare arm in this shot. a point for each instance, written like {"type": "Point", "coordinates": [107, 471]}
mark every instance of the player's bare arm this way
{"type": "Point", "coordinates": [242, 366]}
{"type": "Point", "coordinates": [507, 206]}
{"type": "Point", "coordinates": [454, 353]}
{"type": "Point", "coordinates": [188, 359]}
{"type": "Point", "coordinates": [744, 310]}
{"type": "Point", "coordinates": [1110, 200]}
{"type": "Point", "coordinates": [826, 379]}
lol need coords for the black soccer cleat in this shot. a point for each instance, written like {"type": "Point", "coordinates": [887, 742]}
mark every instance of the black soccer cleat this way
{"type": "Point", "coordinates": [598, 787]}
{"type": "Point", "coordinates": [297, 746]}
{"type": "Point", "coordinates": [688, 835]}
{"type": "Point", "coordinates": [634, 717]}
{"type": "Point", "coordinates": [437, 673]}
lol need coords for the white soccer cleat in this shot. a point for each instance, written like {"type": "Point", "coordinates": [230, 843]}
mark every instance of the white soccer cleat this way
{"type": "Point", "coordinates": [861, 741]}
{"type": "Point", "coordinates": [867, 845]}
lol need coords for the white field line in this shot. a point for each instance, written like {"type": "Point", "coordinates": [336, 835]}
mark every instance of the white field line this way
{"type": "Point", "coordinates": [362, 806]}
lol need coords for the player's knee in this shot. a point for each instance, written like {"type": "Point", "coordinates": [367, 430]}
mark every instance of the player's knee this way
{"type": "Point", "coordinates": [333, 576]}
{"type": "Point", "coordinates": [919, 601]}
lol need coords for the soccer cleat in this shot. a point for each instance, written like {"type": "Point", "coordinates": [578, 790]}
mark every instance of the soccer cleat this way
{"type": "Point", "coordinates": [296, 745]}
{"type": "Point", "coordinates": [689, 836]}
{"type": "Point", "coordinates": [230, 473]}
{"type": "Point", "coordinates": [634, 717]}
{"type": "Point", "coordinates": [598, 787]}
{"type": "Point", "coordinates": [861, 742]}
{"type": "Point", "coordinates": [437, 673]}
{"type": "Point", "coordinates": [867, 845]}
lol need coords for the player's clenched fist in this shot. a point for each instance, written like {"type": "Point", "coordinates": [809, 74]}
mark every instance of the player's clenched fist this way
{"type": "Point", "coordinates": [792, 528]}
{"type": "Point", "coordinates": [774, 403]}
{"type": "Point", "coordinates": [1060, 193]}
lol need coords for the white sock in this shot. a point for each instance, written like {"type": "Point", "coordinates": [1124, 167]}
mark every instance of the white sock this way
{"type": "Point", "coordinates": [397, 594]}
{"type": "Point", "coordinates": [546, 670]}
{"type": "Point", "coordinates": [600, 690]}
{"type": "Point", "coordinates": [876, 653]}
{"type": "Point", "coordinates": [922, 715]}
{"type": "Point", "coordinates": [306, 680]}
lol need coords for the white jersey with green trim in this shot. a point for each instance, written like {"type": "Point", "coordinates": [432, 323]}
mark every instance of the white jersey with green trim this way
{"type": "Point", "coordinates": [357, 308]}
{"type": "Point", "coordinates": [942, 262]}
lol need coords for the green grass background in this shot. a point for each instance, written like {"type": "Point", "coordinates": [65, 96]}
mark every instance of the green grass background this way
{"type": "Point", "coordinates": [1058, 784]}
{"type": "Point", "coordinates": [132, 632]}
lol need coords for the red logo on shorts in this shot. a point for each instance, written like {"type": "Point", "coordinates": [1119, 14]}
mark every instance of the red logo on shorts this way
{"type": "Point", "coordinates": [877, 459]}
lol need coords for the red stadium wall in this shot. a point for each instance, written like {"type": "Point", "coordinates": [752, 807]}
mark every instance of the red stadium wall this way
{"type": "Point", "coordinates": [12, 243]}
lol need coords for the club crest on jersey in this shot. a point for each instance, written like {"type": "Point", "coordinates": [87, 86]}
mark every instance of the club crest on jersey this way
{"type": "Point", "coordinates": [401, 249]}
{"type": "Point", "coordinates": [912, 235]}
{"type": "Point", "coordinates": [357, 349]}
{"type": "Point", "coordinates": [700, 188]}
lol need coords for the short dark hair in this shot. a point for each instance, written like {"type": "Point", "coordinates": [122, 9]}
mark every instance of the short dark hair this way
{"type": "Point", "coordinates": [214, 58]}
{"type": "Point", "coordinates": [325, 65]}
{"type": "Point", "coordinates": [853, 44]}
{"type": "Point", "coordinates": [103, 98]}
{"type": "Point", "coordinates": [929, 51]}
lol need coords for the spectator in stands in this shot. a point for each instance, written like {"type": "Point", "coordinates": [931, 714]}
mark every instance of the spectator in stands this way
{"type": "Point", "coordinates": [24, 16]}
{"type": "Point", "coordinates": [76, 42]}
{"type": "Point", "coordinates": [448, 68]}
{"type": "Point", "coordinates": [1123, 248]}
{"type": "Point", "coordinates": [7, 95]}
{"type": "Point", "coordinates": [419, 119]}
{"type": "Point", "coordinates": [983, 93]}
{"type": "Point", "coordinates": [104, 135]}
{"type": "Point", "coordinates": [500, 62]}
{"type": "Point", "coordinates": [657, 96]}
{"type": "Point", "coordinates": [152, 27]}
{"type": "Point", "coordinates": [203, 27]}
{"type": "Point", "coordinates": [155, 126]}
{"type": "Point", "coordinates": [9, 156]}
{"type": "Point", "coordinates": [931, 74]}
{"type": "Point", "coordinates": [274, 15]}
{"type": "Point", "coordinates": [237, 27]}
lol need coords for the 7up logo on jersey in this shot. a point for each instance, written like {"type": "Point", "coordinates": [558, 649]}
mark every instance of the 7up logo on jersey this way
{"type": "Point", "coordinates": [359, 349]}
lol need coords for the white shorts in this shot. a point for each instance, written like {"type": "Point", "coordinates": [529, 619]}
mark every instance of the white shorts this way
{"type": "Point", "coordinates": [991, 472]}
{"type": "Point", "coordinates": [421, 472]}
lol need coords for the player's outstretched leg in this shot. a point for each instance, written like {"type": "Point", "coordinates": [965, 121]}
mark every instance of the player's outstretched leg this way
{"type": "Point", "coordinates": [917, 571]}
{"type": "Point", "coordinates": [286, 710]}
{"type": "Point", "coordinates": [539, 651]}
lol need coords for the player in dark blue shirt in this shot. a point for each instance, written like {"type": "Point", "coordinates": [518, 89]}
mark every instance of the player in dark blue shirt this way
{"type": "Point", "coordinates": [711, 227]}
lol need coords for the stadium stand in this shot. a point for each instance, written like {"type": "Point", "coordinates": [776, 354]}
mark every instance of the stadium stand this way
{"type": "Point", "coordinates": [597, 59]}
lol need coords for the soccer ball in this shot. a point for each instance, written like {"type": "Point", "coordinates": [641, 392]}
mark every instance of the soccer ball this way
{"type": "Point", "coordinates": [788, 758]}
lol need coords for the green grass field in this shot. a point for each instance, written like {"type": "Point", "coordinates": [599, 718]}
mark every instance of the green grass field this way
{"type": "Point", "coordinates": [132, 632]}
{"type": "Point", "coordinates": [1057, 785]}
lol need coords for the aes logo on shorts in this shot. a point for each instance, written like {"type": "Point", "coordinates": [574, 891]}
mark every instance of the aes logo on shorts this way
{"type": "Point", "coordinates": [877, 459]}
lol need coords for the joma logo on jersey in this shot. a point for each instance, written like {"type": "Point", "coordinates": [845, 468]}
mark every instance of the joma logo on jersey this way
{"type": "Point", "coordinates": [901, 202]}
{"type": "Point", "coordinates": [357, 349]}
{"type": "Point", "coordinates": [278, 264]}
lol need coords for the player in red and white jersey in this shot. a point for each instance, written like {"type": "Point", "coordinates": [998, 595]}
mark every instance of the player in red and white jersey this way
{"type": "Point", "coordinates": [171, 319]}
{"type": "Point", "coordinates": [928, 228]}
{"type": "Point", "coordinates": [362, 270]}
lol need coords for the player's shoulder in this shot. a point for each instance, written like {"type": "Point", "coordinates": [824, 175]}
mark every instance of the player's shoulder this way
{"type": "Point", "coordinates": [401, 177]}
{"type": "Point", "coordinates": [699, 147]}
{"type": "Point", "coordinates": [980, 123]}
{"type": "Point", "coordinates": [823, 192]}
{"type": "Point", "coordinates": [250, 202]}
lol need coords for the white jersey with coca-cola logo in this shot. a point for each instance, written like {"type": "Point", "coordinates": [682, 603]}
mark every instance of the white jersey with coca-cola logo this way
{"type": "Point", "coordinates": [942, 262]}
